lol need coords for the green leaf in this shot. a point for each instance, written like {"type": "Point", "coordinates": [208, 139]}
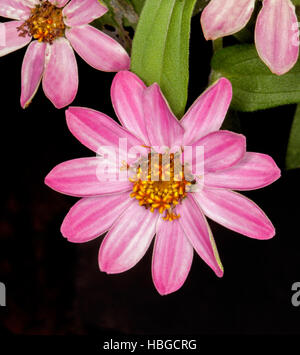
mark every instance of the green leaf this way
{"type": "Point", "coordinates": [138, 5]}
{"type": "Point", "coordinates": [254, 86]}
{"type": "Point", "coordinates": [160, 48]}
{"type": "Point", "coordinates": [293, 151]}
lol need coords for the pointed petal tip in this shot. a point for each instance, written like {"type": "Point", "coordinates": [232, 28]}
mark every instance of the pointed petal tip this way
{"type": "Point", "coordinates": [50, 180]}
{"type": "Point", "coordinates": [280, 71]}
{"type": "Point", "coordinates": [219, 272]}
{"type": "Point", "coordinates": [47, 180]}
{"type": "Point", "coordinates": [209, 36]}
{"type": "Point", "coordinates": [166, 290]}
{"type": "Point", "coordinates": [276, 173]}
{"type": "Point", "coordinates": [224, 81]}
{"type": "Point", "coordinates": [70, 113]}
{"type": "Point", "coordinates": [109, 269]}
{"type": "Point", "coordinates": [25, 104]}
{"type": "Point", "coordinates": [269, 234]}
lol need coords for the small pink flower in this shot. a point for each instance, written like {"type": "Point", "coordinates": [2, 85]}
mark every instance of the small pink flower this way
{"type": "Point", "coordinates": [132, 211]}
{"type": "Point", "coordinates": [57, 27]}
{"type": "Point", "coordinates": [276, 32]}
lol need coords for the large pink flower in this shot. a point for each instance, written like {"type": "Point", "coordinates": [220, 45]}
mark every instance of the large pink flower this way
{"type": "Point", "coordinates": [276, 32]}
{"type": "Point", "coordinates": [57, 27]}
{"type": "Point", "coordinates": [134, 210]}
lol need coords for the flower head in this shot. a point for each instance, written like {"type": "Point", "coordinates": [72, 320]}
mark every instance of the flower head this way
{"type": "Point", "coordinates": [57, 27]}
{"type": "Point", "coordinates": [276, 31]}
{"type": "Point", "coordinates": [162, 193]}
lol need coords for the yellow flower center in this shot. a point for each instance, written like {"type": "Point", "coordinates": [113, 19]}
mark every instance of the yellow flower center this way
{"type": "Point", "coordinates": [159, 183]}
{"type": "Point", "coordinates": [45, 23]}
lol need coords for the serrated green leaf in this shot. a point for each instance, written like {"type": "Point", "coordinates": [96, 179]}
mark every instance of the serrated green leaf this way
{"type": "Point", "coordinates": [160, 48]}
{"type": "Point", "coordinates": [293, 151]}
{"type": "Point", "coordinates": [254, 86]}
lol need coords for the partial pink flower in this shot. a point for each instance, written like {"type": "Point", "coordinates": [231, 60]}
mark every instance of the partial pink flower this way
{"type": "Point", "coordinates": [58, 27]}
{"type": "Point", "coordinates": [276, 32]}
{"type": "Point", "coordinates": [166, 204]}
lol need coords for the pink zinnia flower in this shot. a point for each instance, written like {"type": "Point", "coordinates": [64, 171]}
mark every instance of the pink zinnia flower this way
{"type": "Point", "coordinates": [276, 32]}
{"type": "Point", "coordinates": [134, 210]}
{"type": "Point", "coordinates": [57, 27]}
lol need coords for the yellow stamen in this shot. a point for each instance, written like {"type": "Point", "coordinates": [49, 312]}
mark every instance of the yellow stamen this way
{"type": "Point", "coordinates": [166, 191]}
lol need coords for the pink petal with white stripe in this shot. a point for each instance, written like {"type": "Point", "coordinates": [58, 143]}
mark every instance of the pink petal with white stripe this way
{"type": "Point", "coordinates": [12, 40]}
{"type": "Point", "coordinates": [14, 9]}
{"type": "Point", "coordinates": [32, 71]}
{"type": "Point", "coordinates": [235, 212]}
{"type": "Point", "coordinates": [162, 126]}
{"type": "Point", "coordinates": [222, 149]}
{"type": "Point", "coordinates": [79, 12]}
{"type": "Point", "coordinates": [276, 35]}
{"type": "Point", "coordinates": [31, 3]}
{"type": "Point", "coordinates": [254, 171]}
{"type": "Point", "coordinates": [92, 216]}
{"type": "Point", "coordinates": [96, 131]}
{"type": "Point", "coordinates": [59, 3]}
{"type": "Point", "coordinates": [86, 177]}
{"type": "Point", "coordinates": [98, 49]}
{"type": "Point", "coordinates": [126, 96]}
{"type": "Point", "coordinates": [60, 80]}
{"type": "Point", "coordinates": [198, 232]}
{"type": "Point", "coordinates": [224, 17]}
{"type": "Point", "coordinates": [128, 239]}
{"type": "Point", "coordinates": [207, 113]}
{"type": "Point", "coordinates": [172, 257]}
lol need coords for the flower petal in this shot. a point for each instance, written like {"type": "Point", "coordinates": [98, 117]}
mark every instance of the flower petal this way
{"type": "Point", "coordinates": [162, 126]}
{"type": "Point", "coordinates": [172, 257]}
{"type": "Point", "coordinates": [79, 12]}
{"type": "Point", "coordinates": [276, 35]}
{"type": "Point", "coordinates": [59, 3]}
{"type": "Point", "coordinates": [32, 71]}
{"type": "Point", "coordinates": [199, 234]}
{"type": "Point", "coordinates": [12, 40]}
{"type": "Point", "coordinates": [207, 113]}
{"type": "Point", "coordinates": [236, 212]}
{"type": "Point", "coordinates": [14, 9]}
{"type": "Point", "coordinates": [254, 171]}
{"type": "Point", "coordinates": [60, 80]}
{"type": "Point", "coordinates": [98, 49]}
{"type": "Point", "coordinates": [126, 95]}
{"type": "Point", "coordinates": [86, 177]}
{"type": "Point", "coordinates": [222, 149]}
{"type": "Point", "coordinates": [30, 3]}
{"type": "Point", "coordinates": [128, 239]}
{"type": "Point", "coordinates": [96, 131]}
{"type": "Point", "coordinates": [92, 216]}
{"type": "Point", "coordinates": [223, 18]}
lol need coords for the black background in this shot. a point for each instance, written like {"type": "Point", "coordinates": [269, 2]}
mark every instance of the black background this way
{"type": "Point", "coordinates": [55, 287]}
